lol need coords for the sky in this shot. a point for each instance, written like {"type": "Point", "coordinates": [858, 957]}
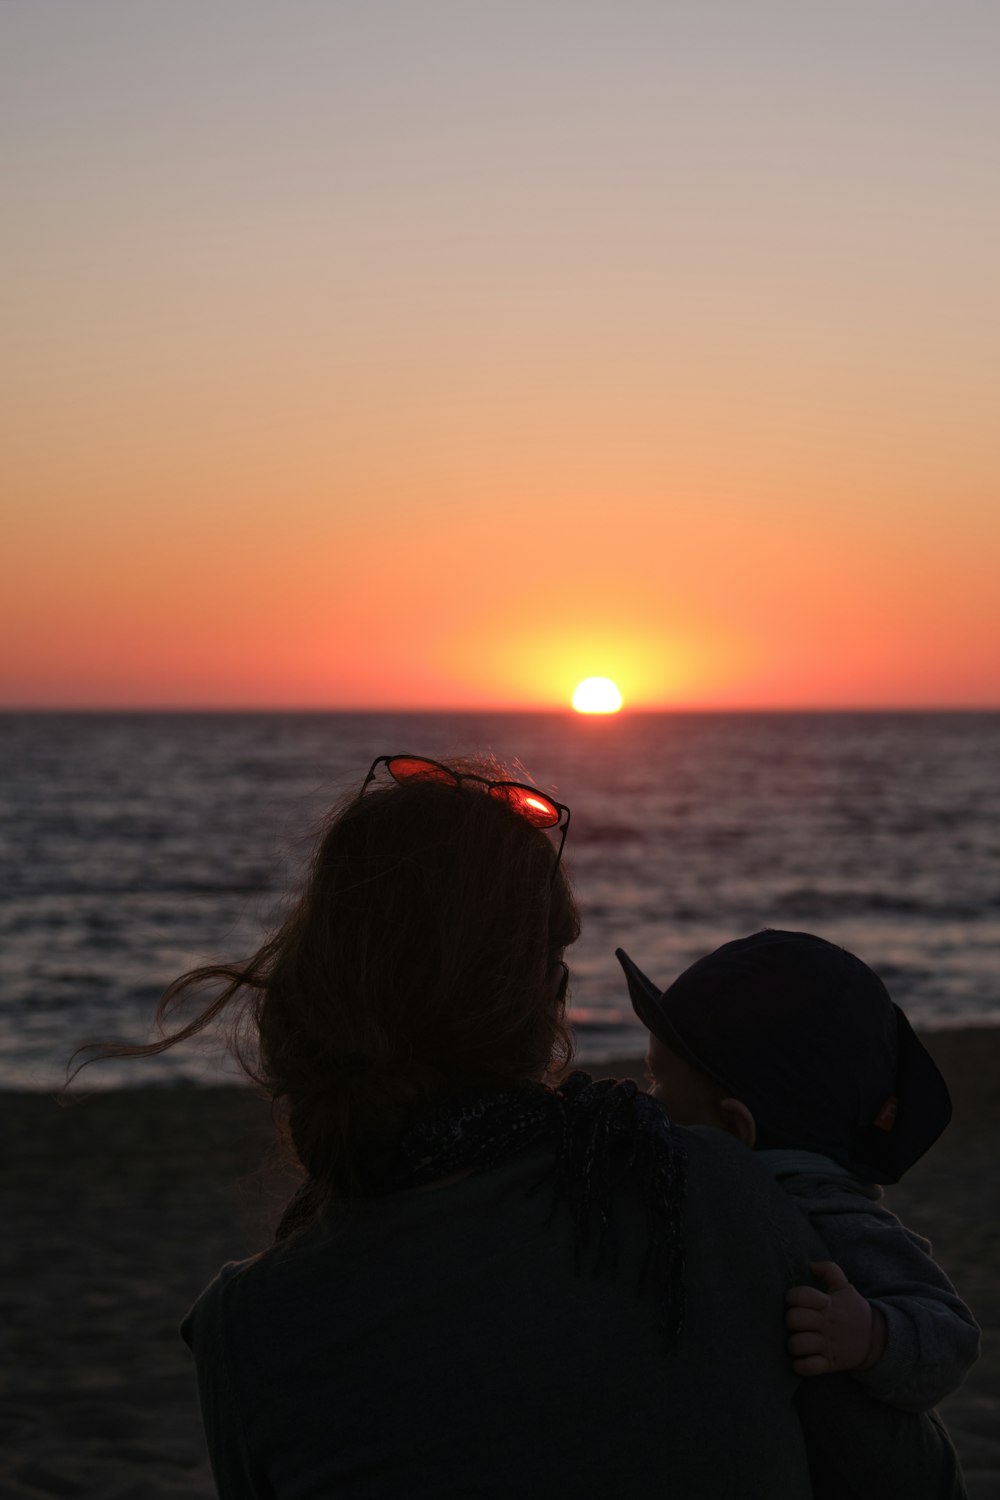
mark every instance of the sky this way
{"type": "Point", "coordinates": [439, 353]}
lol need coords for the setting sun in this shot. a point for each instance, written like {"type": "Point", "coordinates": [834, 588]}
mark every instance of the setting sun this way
{"type": "Point", "coordinates": [597, 695]}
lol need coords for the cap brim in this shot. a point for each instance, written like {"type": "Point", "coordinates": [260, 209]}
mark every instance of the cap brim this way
{"type": "Point", "coordinates": [648, 1002]}
{"type": "Point", "coordinates": [643, 993]}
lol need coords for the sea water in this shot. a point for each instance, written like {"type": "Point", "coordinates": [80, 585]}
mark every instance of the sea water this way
{"type": "Point", "coordinates": [135, 845]}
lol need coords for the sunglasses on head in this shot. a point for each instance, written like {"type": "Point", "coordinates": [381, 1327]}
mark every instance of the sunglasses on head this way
{"type": "Point", "coordinates": [528, 802]}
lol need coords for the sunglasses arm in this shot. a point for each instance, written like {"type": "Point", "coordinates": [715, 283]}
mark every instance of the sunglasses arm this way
{"type": "Point", "coordinates": [371, 773]}
{"type": "Point", "coordinates": [562, 841]}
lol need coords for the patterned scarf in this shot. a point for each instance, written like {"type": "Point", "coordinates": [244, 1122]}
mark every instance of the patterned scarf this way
{"type": "Point", "coordinates": [603, 1132]}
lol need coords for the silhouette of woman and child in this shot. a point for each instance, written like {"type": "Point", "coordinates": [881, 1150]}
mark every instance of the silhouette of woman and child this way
{"type": "Point", "coordinates": [500, 1278]}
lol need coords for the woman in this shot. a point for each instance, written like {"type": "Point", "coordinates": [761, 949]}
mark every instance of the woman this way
{"type": "Point", "coordinates": [487, 1285]}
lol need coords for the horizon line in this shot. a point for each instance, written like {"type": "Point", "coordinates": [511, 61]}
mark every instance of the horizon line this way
{"type": "Point", "coordinates": [567, 710]}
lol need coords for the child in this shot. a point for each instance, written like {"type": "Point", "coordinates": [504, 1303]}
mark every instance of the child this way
{"type": "Point", "coordinates": [794, 1046]}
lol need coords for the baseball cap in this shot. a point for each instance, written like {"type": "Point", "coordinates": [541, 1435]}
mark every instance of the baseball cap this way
{"type": "Point", "coordinates": [807, 1036]}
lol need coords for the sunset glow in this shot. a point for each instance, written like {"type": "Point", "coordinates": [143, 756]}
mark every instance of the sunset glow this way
{"type": "Point", "coordinates": [597, 695]}
{"type": "Point", "coordinates": [338, 381]}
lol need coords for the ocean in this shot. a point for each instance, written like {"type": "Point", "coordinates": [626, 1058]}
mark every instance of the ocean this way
{"type": "Point", "coordinates": [135, 845]}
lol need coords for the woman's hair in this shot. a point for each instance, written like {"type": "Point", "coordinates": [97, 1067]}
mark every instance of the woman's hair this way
{"type": "Point", "coordinates": [420, 958]}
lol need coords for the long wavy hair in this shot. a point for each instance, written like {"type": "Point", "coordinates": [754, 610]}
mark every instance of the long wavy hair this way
{"type": "Point", "coordinates": [421, 957]}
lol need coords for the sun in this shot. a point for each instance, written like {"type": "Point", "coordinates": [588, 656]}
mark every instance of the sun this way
{"type": "Point", "coordinates": [597, 695]}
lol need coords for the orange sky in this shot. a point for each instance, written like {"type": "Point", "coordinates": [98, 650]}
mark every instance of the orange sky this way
{"type": "Point", "coordinates": [440, 358]}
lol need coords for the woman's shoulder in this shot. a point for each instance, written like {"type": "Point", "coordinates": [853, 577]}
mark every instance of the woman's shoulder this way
{"type": "Point", "coordinates": [205, 1319]}
{"type": "Point", "coordinates": [728, 1187]}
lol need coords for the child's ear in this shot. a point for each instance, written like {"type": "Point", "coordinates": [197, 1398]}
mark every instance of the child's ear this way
{"type": "Point", "coordinates": [738, 1121]}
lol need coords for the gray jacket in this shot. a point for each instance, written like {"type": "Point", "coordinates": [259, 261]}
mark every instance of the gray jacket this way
{"type": "Point", "coordinates": [932, 1337]}
{"type": "Point", "coordinates": [440, 1344]}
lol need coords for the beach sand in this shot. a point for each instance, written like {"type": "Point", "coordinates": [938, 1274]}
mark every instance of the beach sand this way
{"type": "Point", "coordinates": [115, 1212]}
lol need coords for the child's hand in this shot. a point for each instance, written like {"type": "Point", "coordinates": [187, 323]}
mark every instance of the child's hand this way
{"type": "Point", "coordinates": [835, 1329]}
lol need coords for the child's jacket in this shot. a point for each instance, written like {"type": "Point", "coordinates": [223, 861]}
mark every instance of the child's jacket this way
{"type": "Point", "coordinates": [932, 1337]}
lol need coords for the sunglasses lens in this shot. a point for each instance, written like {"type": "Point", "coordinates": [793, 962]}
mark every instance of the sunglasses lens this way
{"type": "Point", "coordinates": [412, 768]}
{"type": "Point", "coordinates": [537, 809]}
{"type": "Point", "coordinates": [534, 806]}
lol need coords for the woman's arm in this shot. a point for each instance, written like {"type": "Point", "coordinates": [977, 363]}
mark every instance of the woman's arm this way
{"type": "Point", "coordinates": [236, 1475]}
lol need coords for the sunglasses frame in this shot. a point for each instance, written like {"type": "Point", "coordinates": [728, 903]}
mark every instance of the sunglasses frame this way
{"type": "Point", "coordinates": [456, 779]}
